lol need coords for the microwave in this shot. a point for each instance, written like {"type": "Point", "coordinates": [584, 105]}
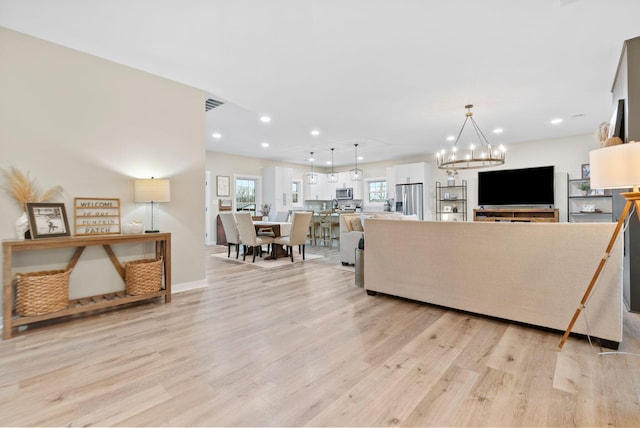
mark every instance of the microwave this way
{"type": "Point", "coordinates": [345, 193]}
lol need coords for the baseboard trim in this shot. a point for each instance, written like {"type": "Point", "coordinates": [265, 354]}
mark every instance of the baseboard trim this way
{"type": "Point", "coordinates": [188, 286]}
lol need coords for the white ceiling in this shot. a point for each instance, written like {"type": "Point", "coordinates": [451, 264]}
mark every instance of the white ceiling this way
{"type": "Point", "coordinates": [391, 75]}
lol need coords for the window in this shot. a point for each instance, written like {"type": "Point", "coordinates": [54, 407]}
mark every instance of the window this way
{"type": "Point", "coordinates": [377, 190]}
{"type": "Point", "coordinates": [246, 195]}
{"type": "Point", "coordinates": [296, 187]}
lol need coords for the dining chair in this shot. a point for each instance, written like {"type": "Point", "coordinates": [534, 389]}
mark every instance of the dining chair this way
{"type": "Point", "coordinates": [298, 236]}
{"type": "Point", "coordinates": [231, 232]}
{"type": "Point", "coordinates": [248, 235]}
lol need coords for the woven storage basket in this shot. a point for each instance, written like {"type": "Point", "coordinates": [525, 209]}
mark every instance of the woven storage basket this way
{"type": "Point", "coordinates": [143, 276]}
{"type": "Point", "coordinates": [42, 292]}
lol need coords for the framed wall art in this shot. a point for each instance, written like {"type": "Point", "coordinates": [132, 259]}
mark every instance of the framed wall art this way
{"type": "Point", "coordinates": [47, 220]}
{"type": "Point", "coordinates": [222, 185]}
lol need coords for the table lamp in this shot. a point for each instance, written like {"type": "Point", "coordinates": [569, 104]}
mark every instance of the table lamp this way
{"type": "Point", "coordinates": [615, 167]}
{"type": "Point", "coordinates": [152, 190]}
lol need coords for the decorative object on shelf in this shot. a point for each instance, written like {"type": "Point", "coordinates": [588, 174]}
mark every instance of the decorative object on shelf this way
{"type": "Point", "coordinates": [586, 170]}
{"type": "Point", "coordinates": [588, 208]}
{"type": "Point", "coordinates": [455, 209]}
{"type": "Point", "coordinates": [152, 190]}
{"type": "Point", "coordinates": [96, 216]}
{"type": "Point", "coordinates": [224, 204]}
{"type": "Point", "coordinates": [47, 220]}
{"type": "Point", "coordinates": [451, 178]}
{"type": "Point", "coordinates": [265, 210]}
{"type": "Point", "coordinates": [447, 209]}
{"type": "Point", "coordinates": [23, 190]}
{"type": "Point", "coordinates": [482, 156]}
{"type": "Point", "coordinates": [312, 177]}
{"type": "Point", "coordinates": [584, 187]}
{"type": "Point", "coordinates": [602, 133]}
{"type": "Point", "coordinates": [612, 168]}
{"type": "Point", "coordinates": [333, 177]}
{"type": "Point", "coordinates": [222, 185]}
{"type": "Point", "coordinates": [134, 227]}
{"type": "Point", "coordinates": [356, 173]}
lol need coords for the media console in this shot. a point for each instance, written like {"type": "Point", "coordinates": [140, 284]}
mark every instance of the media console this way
{"type": "Point", "coordinates": [549, 215]}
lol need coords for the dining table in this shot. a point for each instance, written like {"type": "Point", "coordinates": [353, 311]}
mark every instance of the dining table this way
{"type": "Point", "coordinates": [274, 229]}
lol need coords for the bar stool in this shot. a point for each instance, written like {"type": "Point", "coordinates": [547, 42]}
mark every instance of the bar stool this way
{"type": "Point", "coordinates": [314, 224]}
{"type": "Point", "coordinates": [326, 228]}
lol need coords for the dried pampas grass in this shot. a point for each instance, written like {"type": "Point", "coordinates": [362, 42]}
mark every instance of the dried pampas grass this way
{"type": "Point", "coordinates": [23, 190]}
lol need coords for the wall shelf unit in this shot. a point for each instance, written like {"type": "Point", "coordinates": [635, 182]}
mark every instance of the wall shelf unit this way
{"type": "Point", "coordinates": [589, 205]}
{"type": "Point", "coordinates": [451, 202]}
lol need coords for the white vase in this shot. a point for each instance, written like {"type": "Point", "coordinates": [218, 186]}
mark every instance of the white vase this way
{"type": "Point", "coordinates": [22, 225]}
{"type": "Point", "coordinates": [265, 218]}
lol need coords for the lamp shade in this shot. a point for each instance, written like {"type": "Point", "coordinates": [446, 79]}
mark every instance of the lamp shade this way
{"type": "Point", "coordinates": [615, 167]}
{"type": "Point", "coordinates": [152, 190]}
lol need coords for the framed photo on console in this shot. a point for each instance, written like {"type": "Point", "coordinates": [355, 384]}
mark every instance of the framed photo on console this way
{"type": "Point", "coordinates": [47, 220]}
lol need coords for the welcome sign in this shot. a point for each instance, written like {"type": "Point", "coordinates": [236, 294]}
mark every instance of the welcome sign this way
{"type": "Point", "coordinates": [96, 216]}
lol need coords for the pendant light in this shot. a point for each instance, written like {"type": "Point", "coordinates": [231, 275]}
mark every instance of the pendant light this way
{"type": "Point", "coordinates": [312, 177]}
{"type": "Point", "coordinates": [333, 177]}
{"type": "Point", "coordinates": [356, 173]}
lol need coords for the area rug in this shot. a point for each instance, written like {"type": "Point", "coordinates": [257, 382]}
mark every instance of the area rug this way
{"type": "Point", "coordinates": [268, 264]}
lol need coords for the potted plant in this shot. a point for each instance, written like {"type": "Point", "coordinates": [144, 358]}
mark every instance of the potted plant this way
{"type": "Point", "coordinates": [584, 186]}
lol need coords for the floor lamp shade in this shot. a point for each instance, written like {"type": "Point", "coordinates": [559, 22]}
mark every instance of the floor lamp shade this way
{"type": "Point", "coordinates": [615, 167]}
{"type": "Point", "coordinates": [151, 190]}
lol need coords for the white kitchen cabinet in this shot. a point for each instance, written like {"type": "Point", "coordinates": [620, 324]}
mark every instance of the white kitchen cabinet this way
{"type": "Point", "coordinates": [410, 173]}
{"type": "Point", "coordinates": [318, 191]}
{"type": "Point", "coordinates": [277, 189]}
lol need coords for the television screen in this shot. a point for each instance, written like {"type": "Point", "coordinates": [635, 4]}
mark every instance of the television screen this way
{"type": "Point", "coordinates": [526, 186]}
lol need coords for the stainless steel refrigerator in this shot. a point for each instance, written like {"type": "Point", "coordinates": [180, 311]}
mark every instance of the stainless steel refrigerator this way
{"type": "Point", "coordinates": [409, 199]}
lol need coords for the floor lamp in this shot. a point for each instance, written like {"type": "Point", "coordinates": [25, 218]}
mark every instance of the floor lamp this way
{"type": "Point", "coordinates": [151, 190]}
{"type": "Point", "coordinates": [615, 167]}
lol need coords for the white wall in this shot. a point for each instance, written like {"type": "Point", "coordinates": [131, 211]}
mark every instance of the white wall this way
{"type": "Point", "coordinates": [92, 126]}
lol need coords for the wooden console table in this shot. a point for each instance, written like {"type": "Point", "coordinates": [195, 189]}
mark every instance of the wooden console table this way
{"type": "Point", "coordinates": [517, 214]}
{"type": "Point", "coordinates": [85, 304]}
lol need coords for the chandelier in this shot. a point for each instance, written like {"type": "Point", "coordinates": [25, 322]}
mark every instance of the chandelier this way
{"type": "Point", "coordinates": [312, 177]}
{"type": "Point", "coordinates": [333, 177]}
{"type": "Point", "coordinates": [481, 156]}
{"type": "Point", "coordinates": [356, 173]}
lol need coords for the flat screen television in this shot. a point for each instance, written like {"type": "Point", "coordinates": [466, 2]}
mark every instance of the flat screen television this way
{"type": "Point", "coordinates": [525, 186]}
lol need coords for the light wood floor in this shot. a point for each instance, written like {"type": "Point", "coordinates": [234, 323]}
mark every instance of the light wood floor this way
{"type": "Point", "coordinates": [302, 346]}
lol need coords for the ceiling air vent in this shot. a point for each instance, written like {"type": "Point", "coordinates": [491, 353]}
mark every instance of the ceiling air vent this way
{"type": "Point", "coordinates": [211, 104]}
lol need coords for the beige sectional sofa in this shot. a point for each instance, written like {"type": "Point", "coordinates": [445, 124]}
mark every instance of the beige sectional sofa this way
{"type": "Point", "coordinates": [534, 273]}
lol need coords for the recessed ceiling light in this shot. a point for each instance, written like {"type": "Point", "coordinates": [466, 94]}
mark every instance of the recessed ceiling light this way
{"type": "Point", "coordinates": [265, 144]}
{"type": "Point", "coordinates": [265, 119]}
{"type": "Point", "coordinates": [315, 132]}
{"type": "Point", "coordinates": [451, 138]}
{"type": "Point", "coordinates": [360, 158]}
{"type": "Point", "coordinates": [328, 162]}
{"type": "Point", "coordinates": [216, 135]}
{"type": "Point", "coordinates": [556, 120]}
{"type": "Point", "coordinates": [498, 131]}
